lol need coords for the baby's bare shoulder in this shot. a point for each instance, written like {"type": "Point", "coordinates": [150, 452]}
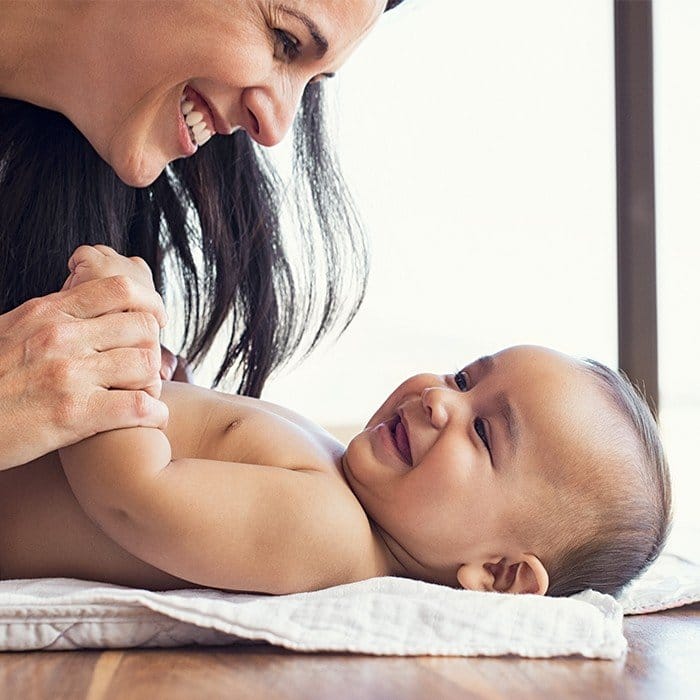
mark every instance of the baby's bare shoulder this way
{"type": "Point", "coordinates": [208, 424]}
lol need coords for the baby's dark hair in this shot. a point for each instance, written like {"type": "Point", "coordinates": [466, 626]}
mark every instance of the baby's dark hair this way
{"type": "Point", "coordinates": [633, 524]}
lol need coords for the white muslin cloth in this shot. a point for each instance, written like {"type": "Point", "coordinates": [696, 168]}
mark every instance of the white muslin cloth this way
{"type": "Point", "coordinates": [383, 616]}
{"type": "Point", "coordinates": [389, 616]}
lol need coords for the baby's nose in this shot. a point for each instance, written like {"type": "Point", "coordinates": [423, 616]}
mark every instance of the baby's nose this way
{"type": "Point", "coordinates": [433, 402]}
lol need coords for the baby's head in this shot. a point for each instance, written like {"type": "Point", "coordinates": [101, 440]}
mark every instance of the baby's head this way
{"type": "Point", "coordinates": [527, 471]}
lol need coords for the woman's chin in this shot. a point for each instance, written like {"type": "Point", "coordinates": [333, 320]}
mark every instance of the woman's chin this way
{"type": "Point", "coordinates": [136, 165]}
{"type": "Point", "coordinates": [139, 171]}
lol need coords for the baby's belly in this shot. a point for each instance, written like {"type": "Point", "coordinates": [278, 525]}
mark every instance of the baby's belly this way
{"type": "Point", "coordinates": [45, 533]}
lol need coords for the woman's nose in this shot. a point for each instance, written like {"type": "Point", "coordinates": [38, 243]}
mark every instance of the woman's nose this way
{"type": "Point", "coordinates": [271, 112]}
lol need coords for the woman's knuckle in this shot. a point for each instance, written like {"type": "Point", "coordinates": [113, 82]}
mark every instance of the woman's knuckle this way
{"type": "Point", "coordinates": [141, 404]}
{"type": "Point", "coordinates": [123, 286]}
{"type": "Point", "coordinates": [60, 374]}
{"type": "Point", "coordinates": [151, 361]}
{"type": "Point", "coordinates": [68, 412]}
{"type": "Point", "coordinates": [52, 335]}
{"type": "Point", "coordinates": [150, 326]}
{"type": "Point", "coordinates": [36, 307]}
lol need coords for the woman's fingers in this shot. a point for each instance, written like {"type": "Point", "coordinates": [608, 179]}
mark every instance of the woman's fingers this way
{"type": "Point", "coordinates": [128, 329]}
{"type": "Point", "coordinates": [127, 368]}
{"type": "Point", "coordinates": [124, 409]}
{"type": "Point", "coordinates": [110, 295]}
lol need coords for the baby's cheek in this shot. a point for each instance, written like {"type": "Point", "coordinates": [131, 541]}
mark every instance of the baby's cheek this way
{"type": "Point", "coordinates": [450, 462]}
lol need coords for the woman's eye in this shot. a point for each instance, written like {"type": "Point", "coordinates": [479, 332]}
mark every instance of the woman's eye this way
{"type": "Point", "coordinates": [288, 46]}
{"type": "Point", "coordinates": [481, 432]}
{"type": "Point", "coordinates": [462, 380]}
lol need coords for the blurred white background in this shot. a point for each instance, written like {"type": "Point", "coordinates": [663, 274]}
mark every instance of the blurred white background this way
{"type": "Point", "coordinates": [478, 138]}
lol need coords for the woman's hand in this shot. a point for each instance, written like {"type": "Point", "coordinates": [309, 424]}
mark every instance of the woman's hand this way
{"type": "Point", "coordinates": [100, 261]}
{"type": "Point", "coordinates": [78, 362]}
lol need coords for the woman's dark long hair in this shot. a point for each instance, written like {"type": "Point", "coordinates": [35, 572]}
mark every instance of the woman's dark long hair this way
{"type": "Point", "coordinates": [217, 214]}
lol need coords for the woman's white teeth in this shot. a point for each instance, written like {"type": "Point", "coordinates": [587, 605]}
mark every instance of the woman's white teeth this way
{"type": "Point", "coordinates": [194, 117]}
{"type": "Point", "coordinates": [199, 130]}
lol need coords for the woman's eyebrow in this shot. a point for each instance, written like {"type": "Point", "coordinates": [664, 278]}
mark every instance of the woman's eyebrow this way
{"type": "Point", "coordinates": [320, 40]}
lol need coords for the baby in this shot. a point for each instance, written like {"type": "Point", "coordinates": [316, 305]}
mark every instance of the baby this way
{"type": "Point", "coordinates": [524, 472]}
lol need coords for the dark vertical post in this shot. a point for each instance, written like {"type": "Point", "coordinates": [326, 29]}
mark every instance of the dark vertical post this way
{"type": "Point", "coordinates": [636, 245]}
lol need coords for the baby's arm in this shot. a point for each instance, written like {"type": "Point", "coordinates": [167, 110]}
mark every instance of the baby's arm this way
{"type": "Point", "coordinates": [218, 524]}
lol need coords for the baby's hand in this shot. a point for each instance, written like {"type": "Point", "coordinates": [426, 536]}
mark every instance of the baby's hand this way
{"type": "Point", "coordinates": [90, 262]}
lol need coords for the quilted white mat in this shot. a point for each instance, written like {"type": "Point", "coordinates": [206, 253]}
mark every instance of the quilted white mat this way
{"type": "Point", "coordinates": [387, 616]}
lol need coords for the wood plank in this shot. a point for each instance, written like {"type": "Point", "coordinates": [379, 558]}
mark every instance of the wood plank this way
{"type": "Point", "coordinates": [661, 662]}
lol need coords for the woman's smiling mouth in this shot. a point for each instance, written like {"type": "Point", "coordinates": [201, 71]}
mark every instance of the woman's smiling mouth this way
{"type": "Point", "coordinates": [198, 116]}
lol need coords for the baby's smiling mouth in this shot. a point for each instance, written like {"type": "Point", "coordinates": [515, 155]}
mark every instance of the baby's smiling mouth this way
{"type": "Point", "coordinates": [401, 441]}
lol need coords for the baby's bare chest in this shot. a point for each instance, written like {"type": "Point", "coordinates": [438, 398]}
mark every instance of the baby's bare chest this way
{"type": "Point", "coordinates": [210, 425]}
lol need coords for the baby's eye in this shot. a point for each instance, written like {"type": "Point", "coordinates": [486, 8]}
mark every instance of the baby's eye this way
{"type": "Point", "coordinates": [481, 432]}
{"type": "Point", "coordinates": [288, 47]}
{"type": "Point", "coordinates": [462, 380]}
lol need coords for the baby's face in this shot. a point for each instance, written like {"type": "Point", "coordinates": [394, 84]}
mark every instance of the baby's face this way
{"type": "Point", "coordinates": [450, 463]}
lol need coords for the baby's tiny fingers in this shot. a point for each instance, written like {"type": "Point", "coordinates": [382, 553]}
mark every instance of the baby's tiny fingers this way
{"type": "Point", "coordinates": [168, 363]}
{"type": "Point", "coordinates": [106, 250]}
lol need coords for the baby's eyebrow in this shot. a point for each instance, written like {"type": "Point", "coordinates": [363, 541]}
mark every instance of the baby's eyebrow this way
{"type": "Point", "coordinates": [505, 410]}
{"type": "Point", "coordinates": [484, 366]}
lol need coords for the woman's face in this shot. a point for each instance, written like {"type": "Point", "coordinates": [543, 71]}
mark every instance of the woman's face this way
{"type": "Point", "coordinates": [240, 64]}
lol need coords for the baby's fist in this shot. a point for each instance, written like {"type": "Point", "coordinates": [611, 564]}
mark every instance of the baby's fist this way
{"type": "Point", "coordinates": [100, 261]}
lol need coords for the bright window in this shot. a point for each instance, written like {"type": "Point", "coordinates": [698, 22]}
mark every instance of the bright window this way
{"type": "Point", "coordinates": [479, 140]}
{"type": "Point", "coordinates": [677, 115]}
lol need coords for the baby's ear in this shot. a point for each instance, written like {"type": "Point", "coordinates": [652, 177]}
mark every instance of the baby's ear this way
{"type": "Point", "coordinates": [527, 575]}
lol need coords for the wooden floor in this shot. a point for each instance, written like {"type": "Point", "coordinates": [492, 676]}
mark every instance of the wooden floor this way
{"type": "Point", "coordinates": [663, 662]}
